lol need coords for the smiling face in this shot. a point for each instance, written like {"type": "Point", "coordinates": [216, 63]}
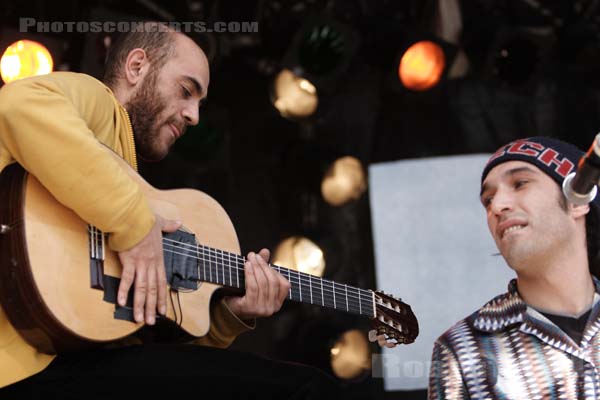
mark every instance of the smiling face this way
{"type": "Point", "coordinates": [526, 213]}
{"type": "Point", "coordinates": [167, 100]}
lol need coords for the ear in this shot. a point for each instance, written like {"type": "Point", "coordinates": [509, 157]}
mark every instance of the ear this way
{"type": "Point", "coordinates": [579, 211]}
{"type": "Point", "coordinates": [136, 66]}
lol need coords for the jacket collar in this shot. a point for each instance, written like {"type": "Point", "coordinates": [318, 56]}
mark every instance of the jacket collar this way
{"type": "Point", "coordinates": [502, 311]}
{"type": "Point", "coordinates": [506, 310]}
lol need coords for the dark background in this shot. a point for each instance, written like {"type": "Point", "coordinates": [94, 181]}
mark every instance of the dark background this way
{"type": "Point", "coordinates": [266, 170]}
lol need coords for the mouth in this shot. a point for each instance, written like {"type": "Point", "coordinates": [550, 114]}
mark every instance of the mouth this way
{"type": "Point", "coordinates": [176, 133]}
{"type": "Point", "coordinates": [510, 227]}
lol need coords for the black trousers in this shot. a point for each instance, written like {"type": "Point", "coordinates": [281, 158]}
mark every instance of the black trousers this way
{"type": "Point", "coordinates": [172, 370]}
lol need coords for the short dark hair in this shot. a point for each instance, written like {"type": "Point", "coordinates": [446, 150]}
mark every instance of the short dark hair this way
{"type": "Point", "coordinates": [556, 158]}
{"type": "Point", "coordinates": [156, 40]}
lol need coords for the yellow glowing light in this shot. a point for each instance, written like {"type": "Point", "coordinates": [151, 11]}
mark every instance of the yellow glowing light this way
{"type": "Point", "coordinates": [350, 355]}
{"type": "Point", "coordinates": [300, 254]}
{"type": "Point", "coordinates": [294, 97]}
{"type": "Point", "coordinates": [23, 59]}
{"type": "Point", "coordinates": [344, 181]}
{"type": "Point", "coordinates": [422, 65]}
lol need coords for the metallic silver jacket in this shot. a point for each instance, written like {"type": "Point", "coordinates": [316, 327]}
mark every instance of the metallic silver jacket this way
{"type": "Point", "coordinates": [508, 350]}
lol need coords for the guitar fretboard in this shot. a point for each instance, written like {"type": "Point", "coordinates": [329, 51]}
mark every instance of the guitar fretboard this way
{"type": "Point", "coordinates": [227, 269]}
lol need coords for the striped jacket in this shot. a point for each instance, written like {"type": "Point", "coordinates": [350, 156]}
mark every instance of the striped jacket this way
{"type": "Point", "coordinates": [507, 350]}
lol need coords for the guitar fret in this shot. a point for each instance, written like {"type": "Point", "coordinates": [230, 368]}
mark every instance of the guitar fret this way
{"type": "Point", "coordinates": [209, 268]}
{"type": "Point", "coordinates": [237, 275]}
{"type": "Point", "coordinates": [197, 255]}
{"type": "Point", "coordinates": [299, 284]}
{"type": "Point", "coordinates": [229, 266]}
{"type": "Point", "coordinates": [333, 286]}
{"type": "Point", "coordinates": [213, 256]}
{"type": "Point", "coordinates": [359, 303]}
{"type": "Point", "coordinates": [346, 290]}
{"type": "Point", "coordinates": [204, 265]}
{"type": "Point", "coordinates": [290, 281]}
{"type": "Point", "coordinates": [310, 287]}
{"type": "Point", "coordinates": [222, 262]}
{"type": "Point", "coordinates": [322, 296]}
{"type": "Point", "coordinates": [354, 301]}
{"type": "Point", "coordinates": [216, 264]}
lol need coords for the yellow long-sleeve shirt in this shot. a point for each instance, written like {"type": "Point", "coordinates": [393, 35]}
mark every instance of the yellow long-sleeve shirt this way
{"type": "Point", "coordinates": [55, 126]}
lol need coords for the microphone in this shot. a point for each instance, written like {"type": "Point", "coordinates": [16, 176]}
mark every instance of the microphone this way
{"type": "Point", "coordinates": [580, 187]}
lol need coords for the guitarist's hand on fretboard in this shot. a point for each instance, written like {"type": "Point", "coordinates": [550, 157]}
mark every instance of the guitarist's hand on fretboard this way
{"type": "Point", "coordinates": [266, 289]}
{"type": "Point", "coordinates": [381, 340]}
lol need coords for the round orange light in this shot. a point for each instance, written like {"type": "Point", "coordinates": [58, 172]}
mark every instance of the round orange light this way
{"type": "Point", "coordinates": [422, 65]}
{"type": "Point", "coordinates": [23, 59]}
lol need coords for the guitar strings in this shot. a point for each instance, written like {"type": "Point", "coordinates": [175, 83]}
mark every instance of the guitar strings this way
{"type": "Point", "coordinates": [300, 278]}
{"type": "Point", "coordinates": [306, 283]}
{"type": "Point", "coordinates": [356, 304]}
{"type": "Point", "coordinates": [305, 278]}
{"type": "Point", "coordinates": [352, 301]}
{"type": "Point", "coordinates": [327, 296]}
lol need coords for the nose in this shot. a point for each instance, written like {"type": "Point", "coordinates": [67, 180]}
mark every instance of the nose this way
{"type": "Point", "coordinates": [191, 114]}
{"type": "Point", "coordinates": [502, 201]}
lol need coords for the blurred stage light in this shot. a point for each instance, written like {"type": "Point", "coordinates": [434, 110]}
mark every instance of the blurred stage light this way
{"type": "Point", "coordinates": [25, 58]}
{"type": "Point", "coordinates": [322, 48]}
{"type": "Point", "coordinates": [422, 65]}
{"type": "Point", "coordinates": [312, 66]}
{"type": "Point", "coordinates": [519, 56]}
{"type": "Point", "coordinates": [350, 355]}
{"type": "Point", "coordinates": [516, 60]}
{"type": "Point", "coordinates": [344, 181]}
{"type": "Point", "coordinates": [294, 97]}
{"type": "Point", "coordinates": [300, 254]}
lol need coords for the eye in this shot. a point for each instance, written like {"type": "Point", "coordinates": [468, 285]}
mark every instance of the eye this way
{"type": "Point", "coordinates": [185, 92]}
{"type": "Point", "coordinates": [486, 201]}
{"type": "Point", "coordinates": [520, 183]}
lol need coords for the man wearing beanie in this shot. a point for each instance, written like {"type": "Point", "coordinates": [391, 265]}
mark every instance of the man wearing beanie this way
{"type": "Point", "coordinates": [541, 338]}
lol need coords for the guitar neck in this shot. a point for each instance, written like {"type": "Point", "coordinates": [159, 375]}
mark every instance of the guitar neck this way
{"type": "Point", "coordinates": [227, 269]}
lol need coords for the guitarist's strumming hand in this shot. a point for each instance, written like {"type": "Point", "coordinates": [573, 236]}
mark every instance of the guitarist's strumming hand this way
{"type": "Point", "coordinates": [266, 289]}
{"type": "Point", "coordinates": [144, 268]}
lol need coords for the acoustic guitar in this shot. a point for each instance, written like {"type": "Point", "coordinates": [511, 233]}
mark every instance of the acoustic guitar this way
{"type": "Point", "coordinates": [58, 277]}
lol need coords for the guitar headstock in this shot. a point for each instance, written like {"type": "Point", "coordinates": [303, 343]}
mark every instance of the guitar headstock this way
{"type": "Point", "coordinates": [394, 319]}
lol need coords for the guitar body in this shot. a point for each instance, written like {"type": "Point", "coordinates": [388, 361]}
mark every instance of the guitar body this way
{"type": "Point", "coordinates": [45, 264]}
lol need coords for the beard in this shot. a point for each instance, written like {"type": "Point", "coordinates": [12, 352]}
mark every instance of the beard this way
{"type": "Point", "coordinates": [145, 108]}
